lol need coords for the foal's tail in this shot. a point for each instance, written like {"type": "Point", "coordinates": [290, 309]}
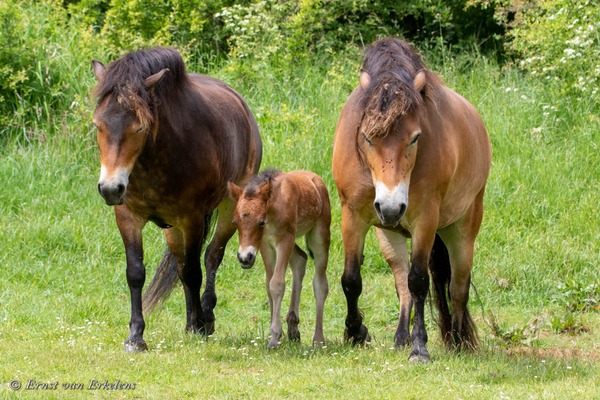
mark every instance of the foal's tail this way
{"type": "Point", "coordinates": [439, 265]}
{"type": "Point", "coordinates": [166, 276]}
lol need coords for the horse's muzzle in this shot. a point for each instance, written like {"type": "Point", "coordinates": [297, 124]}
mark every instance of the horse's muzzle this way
{"type": "Point", "coordinates": [390, 216]}
{"type": "Point", "coordinates": [113, 194]}
{"type": "Point", "coordinates": [390, 204]}
{"type": "Point", "coordinates": [246, 258]}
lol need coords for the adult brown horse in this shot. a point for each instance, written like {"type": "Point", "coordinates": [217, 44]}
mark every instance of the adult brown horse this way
{"type": "Point", "coordinates": [411, 157]}
{"type": "Point", "coordinates": [169, 143]}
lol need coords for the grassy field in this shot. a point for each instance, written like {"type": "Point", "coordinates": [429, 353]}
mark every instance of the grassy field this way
{"type": "Point", "coordinates": [65, 303]}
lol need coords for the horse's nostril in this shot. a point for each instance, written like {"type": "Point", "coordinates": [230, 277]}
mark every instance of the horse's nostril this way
{"type": "Point", "coordinates": [120, 188]}
{"type": "Point", "coordinates": [402, 209]}
{"type": "Point", "coordinates": [99, 189]}
{"type": "Point", "coordinates": [377, 207]}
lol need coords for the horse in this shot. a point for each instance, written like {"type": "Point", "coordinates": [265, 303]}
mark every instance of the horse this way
{"type": "Point", "coordinates": [272, 211]}
{"type": "Point", "coordinates": [169, 142]}
{"type": "Point", "coordinates": [411, 157]}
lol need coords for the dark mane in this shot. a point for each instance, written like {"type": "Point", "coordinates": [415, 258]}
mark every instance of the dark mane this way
{"type": "Point", "coordinates": [392, 65]}
{"type": "Point", "coordinates": [124, 78]}
{"type": "Point", "coordinates": [256, 181]}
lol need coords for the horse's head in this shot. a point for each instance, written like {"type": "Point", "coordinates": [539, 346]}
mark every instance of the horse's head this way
{"type": "Point", "coordinates": [250, 218]}
{"type": "Point", "coordinates": [124, 121]}
{"type": "Point", "coordinates": [387, 140]}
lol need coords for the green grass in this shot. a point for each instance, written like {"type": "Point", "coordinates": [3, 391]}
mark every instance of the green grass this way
{"type": "Point", "coordinates": [65, 303]}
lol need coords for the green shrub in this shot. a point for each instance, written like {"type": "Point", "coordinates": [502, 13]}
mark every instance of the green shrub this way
{"type": "Point", "coordinates": [558, 40]}
{"type": "Point", "coordinates": [189, 25]}
{"type": "Point", "coordinates": [45, 73]}
{"type": "Point", "coordinates": [266, 28]}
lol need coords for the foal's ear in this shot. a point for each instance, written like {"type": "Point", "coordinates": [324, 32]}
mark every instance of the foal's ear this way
{"type": "Point", "coordinates": [154, 79]}
{"type": "Point", "coordinates": [99, 69]}
{"type": "Point", "coordinates": [420, 81]}
{"type": "Point", "coordinates": [234, 191]}
{"type": "Point", "coordinates": [365, 79]}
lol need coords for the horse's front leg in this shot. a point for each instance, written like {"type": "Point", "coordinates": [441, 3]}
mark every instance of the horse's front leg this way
{"type": "Point", "coordinates": [277, 287]}
{"type": "Point", "coordinates": [393, 247]}
{"type": "Point", "coordinates": [354, 231]}
{"type": "Point", "coordinates": [418, 284]}
{"type": "Point", "coordinates": [130, 228]}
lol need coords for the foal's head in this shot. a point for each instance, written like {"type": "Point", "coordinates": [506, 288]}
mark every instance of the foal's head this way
{"type": "Point", "coordinates": [250, 216]}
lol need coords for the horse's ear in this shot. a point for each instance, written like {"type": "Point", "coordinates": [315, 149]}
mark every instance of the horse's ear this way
{"type": "Point", "coordinates": [365, 79]}
{"type": "Point", "coordinates": [99, 69]}
{"type": "Point", "coordinates": [234, 191]}
{"type": "Point", "coordinates": [154, 79]}
{"type": "Point", "coordinates": [420, 81]}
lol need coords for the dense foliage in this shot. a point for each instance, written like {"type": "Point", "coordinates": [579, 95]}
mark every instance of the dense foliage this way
{"type": "Point", "coordinates": [46, 45]}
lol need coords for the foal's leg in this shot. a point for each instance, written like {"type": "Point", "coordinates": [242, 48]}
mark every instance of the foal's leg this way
{"type": "Point", "coordinates": [269, 256]}
{"type": "Point", "coordinates": [393, 247]}
{"type": "Point", "coordinates": [317, 241]}
{"type": "Point", "coordinates": [298, 265]}
{"type": "Point", "coordinates": [131, 232]}
{"type": "Point", "coordinates": [277, 286]}
{"type": "Point", "coordinates": [212, 260]}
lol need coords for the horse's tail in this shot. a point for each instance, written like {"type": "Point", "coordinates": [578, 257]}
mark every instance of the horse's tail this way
{"type": "Point", "coordinates": [441, 274]}
{"type": "Point", "coordinates": [167, 276]}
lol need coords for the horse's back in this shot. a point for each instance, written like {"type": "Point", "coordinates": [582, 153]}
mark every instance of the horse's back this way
{"type": "Point", "coordinates": [233, 126]}
{"type": "Point", "coordinates": [308, 191]}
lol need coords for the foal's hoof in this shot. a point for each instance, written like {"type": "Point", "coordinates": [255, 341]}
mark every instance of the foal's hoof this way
{"type": "Point", "coordinates": [359, 337]}
{"type": "Point", "coordinates": [134, 347]}
{"type": "Point", "coordinates": [273, 344]}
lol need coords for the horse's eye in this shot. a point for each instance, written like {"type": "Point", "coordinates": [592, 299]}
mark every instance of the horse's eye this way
{"type": "Point", "coordinates": [415, 139]}
{"type": "Point", "coordinates": [261, 223]}
{"type": "Point", "coordinates": [367, 140]}
{"type": "Point", "coordinates": [234, 223]}
{"type": "Point", "coordinates": [139, 130]}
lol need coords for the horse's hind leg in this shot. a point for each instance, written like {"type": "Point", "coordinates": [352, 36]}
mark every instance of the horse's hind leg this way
{"type": "Point", "coordinates": [318, 244]}
{"type": "Point", "coordinates": [212, 260]}
{"type": "Point", "coordinates": [460, 242]}
{"type": "Point", "coordinates": [298, 266]}
{"type": "Point", "coordinates": [186, 247]}
{"type": "Point", "coordinates": [393, 247]}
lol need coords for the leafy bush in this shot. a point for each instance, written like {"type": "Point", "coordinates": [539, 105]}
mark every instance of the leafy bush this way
{"type": "Point", "coordinates": [298, 28]}
{"type": "Point", "coordinates": [189, 25]}
{"type": "Point", "coordinates": [44, 59]}
{"type": "Point", "coordinates": [557, 40]}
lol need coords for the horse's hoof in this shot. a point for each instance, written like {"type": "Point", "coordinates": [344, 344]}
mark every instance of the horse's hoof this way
{"type": "Point", "coordinates": [134, 347]}
{"type": "Point", "coordinates": [419, 355]}
{"type": "Point", "coordinates": [273, 344]}
{"type": "Point", "coordinates": [207, 329]}
{"type": "Point", "coordinates": [419, 359]}
{"type": "Point", "coordinates": [294, 336]}
{"type": "Point", "coordinates": [361, 337]}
